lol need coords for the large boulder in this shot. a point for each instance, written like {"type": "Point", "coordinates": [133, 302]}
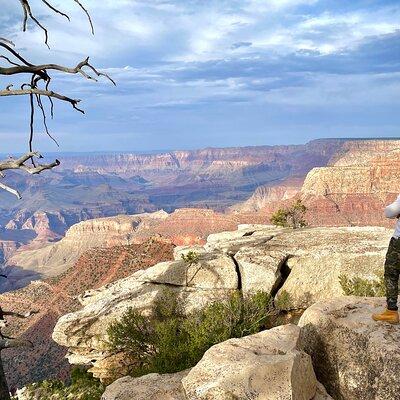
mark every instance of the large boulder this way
{"type": "Point", "coordinates": [148, 387]}
{"type": "Point", "coordinates": [353, 356]}
{"type": "Point", "coordinates": [267, 365]}
{"type": "Point", "coordinates": [264, 366]}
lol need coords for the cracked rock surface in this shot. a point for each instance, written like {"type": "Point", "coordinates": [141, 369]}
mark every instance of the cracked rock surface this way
{"type": "Point", "coordinates": [306, 263]}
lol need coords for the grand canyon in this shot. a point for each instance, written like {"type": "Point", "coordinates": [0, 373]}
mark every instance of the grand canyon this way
{"type": "Point", "coordinates": [126, 212]}
{"type": "Point", "coordinates": [199, 200]}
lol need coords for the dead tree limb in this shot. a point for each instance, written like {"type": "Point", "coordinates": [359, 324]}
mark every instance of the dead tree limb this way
{"type": "Point", "coordinates": [38, 83]}
{"type": "Point", "coordinates": [19, 164]}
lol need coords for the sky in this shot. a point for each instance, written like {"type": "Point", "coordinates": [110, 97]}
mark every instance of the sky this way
{"type": "Point", "coordinates": [200, 73]}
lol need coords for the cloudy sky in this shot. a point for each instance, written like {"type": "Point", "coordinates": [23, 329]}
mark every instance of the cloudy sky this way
{"type": "Point", "coordinates": [198, 73]}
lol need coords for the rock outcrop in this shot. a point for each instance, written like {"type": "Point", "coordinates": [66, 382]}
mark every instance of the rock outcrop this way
{"type": "Point", "coordinates": [268, 365]}
{"type": "Point", "coordinates": [353, 356]}
{"type": "Point", "coordinates": [305, 264]}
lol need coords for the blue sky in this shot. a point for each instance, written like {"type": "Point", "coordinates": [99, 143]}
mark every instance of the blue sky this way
{"type": "Point", "coordinates": [198, 73]}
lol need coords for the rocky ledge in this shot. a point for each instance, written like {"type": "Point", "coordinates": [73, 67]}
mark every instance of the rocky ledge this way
{"type": "Point", "coordinates": [336, 352]}
{"type": "Point", "coordinates": [306, 264]}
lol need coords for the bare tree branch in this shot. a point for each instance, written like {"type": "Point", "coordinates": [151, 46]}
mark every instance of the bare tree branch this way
{"type": "Point", "coordinates": [48, 93]}
{"type": "Point", "coordinates": [19, 164]}
{"type": "Point", "coordinates": [37, 69]}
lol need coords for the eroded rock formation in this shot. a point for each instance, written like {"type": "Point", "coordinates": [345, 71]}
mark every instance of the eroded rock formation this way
{"type": "Point", "coordinates": [305, 263]}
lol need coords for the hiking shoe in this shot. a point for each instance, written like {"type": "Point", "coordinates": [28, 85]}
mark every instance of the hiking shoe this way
{"type": "Point", "coordinates": [387, 316]}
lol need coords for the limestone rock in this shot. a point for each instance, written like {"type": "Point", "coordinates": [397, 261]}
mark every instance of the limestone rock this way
{"type": "Point", "coordinates": [148, 387]}
{"type": "Point", "coordinates": [267, 365]}
{"type": "Point", "coordinates": [321, 255]}
{"type": "Point", "coordinates": [306, 263]}
{"type": "Point", "coordinates": [354, 357]}
{"type": "Point", "coordinates": [183, 250]}
{"type": "Point", "coordinates": [259, 267]}
{"type": "Point", "coordinates": [212, 271]}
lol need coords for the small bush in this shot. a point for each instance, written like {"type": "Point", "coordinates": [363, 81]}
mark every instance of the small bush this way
{"type": "Point", "coordinates": [169, 341]}
{"type": "Point", "coordinates": [363, 287]}
{"type": "Point", "coordinates": [191, 257]}
{"type": "Point", "coordinates": [82, 387]}
{"type": "Point", "coordinates": [293, 217]}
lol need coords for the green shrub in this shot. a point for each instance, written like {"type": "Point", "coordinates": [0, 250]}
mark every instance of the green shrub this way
{"type": "Point", "coordinates": [82, 386]}
{"type": "Point", "coordinates": [191, 257]}
{"type": "Point", "coordinates": [293, 217]}
{"type": "Point", "coordinates": [169, 341]}
{"type": "Point", "coordinates": [362, 287]}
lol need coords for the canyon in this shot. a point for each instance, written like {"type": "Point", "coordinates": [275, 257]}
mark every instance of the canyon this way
{"type": "Point", "coordinates": [87, 186]}
{"type": "Point", "coordinates": [84, 234]}
{"type": "Point", "coordinates": [341, 182]}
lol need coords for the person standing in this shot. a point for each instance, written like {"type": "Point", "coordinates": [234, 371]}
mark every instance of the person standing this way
{"type": "Point", "coordinates": [392, 269]}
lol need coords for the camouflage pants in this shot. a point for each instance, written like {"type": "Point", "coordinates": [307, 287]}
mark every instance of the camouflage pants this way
{"type": "Point", "coordinates": [392, 273]}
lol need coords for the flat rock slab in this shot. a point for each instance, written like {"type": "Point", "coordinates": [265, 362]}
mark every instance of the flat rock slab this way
{"type": "Point", "coordinates": [212, 271]}
{"type": "Point", "coordinates": [148, 387]}
{"type": "Point", "coordinates": [354, 357]}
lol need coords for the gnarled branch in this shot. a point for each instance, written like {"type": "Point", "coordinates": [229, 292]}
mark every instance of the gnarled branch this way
{"type": "Point", "coordinates": [19, 163]}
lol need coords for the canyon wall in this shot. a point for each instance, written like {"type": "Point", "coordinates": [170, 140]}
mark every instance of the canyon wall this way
{"type": "Point", "coordinates": [355, 187]}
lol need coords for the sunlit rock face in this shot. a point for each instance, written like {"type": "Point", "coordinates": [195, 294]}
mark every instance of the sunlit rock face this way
{"type": "Point", "coordinates": [352, 189]}
{"type": "Point", "coordinates": [356, 186]}
{"type": "Point", "coordinates": [303, 264]}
